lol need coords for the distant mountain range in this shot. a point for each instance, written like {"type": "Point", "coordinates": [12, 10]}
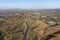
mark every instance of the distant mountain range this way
{"type": "Point", "coordinates": [30, 10]}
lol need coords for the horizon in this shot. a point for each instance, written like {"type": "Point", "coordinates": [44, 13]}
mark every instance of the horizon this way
{"type": "Point", "coordinates": [29, 4]}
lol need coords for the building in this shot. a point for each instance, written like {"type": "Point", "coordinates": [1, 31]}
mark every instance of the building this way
{"type": "Point", "coordinates": [52, 23]}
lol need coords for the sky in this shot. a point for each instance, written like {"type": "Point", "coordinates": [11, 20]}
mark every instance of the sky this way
{"type": "Point", "coordinates": [29, 4]}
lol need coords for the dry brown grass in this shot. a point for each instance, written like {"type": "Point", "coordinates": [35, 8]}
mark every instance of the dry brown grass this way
{"type": "Point", "coordinates": [13, 28]}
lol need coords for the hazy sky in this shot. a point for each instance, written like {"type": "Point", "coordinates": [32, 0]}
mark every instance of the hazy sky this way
{"type": "Point", "coordinates": [30, 4]}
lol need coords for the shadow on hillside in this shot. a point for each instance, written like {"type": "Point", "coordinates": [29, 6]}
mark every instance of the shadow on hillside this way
{"type": "Point", "coordinates": [1, 36]}
{"type": "Point", "coordinates": [48, 37]}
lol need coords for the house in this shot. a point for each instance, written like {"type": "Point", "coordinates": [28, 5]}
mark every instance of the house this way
{"type": "Point", "coordinates": [52, 23]}
{"type": "Point", "coordinates": [43, 16]}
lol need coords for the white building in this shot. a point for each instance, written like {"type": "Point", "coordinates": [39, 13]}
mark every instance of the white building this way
{"type": "Point", "coordinates": [52, 23]}
{"type": "Point", "coordinates": [43, 16]}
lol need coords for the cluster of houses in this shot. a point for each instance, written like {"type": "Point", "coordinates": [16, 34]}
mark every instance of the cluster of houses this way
{"type": "Point", "coordinates": [51, 23]}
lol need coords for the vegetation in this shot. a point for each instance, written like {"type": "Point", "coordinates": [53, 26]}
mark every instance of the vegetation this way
{"type": "Point", "coordinates": [28, 26]}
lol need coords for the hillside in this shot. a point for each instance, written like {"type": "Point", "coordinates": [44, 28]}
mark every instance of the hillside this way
{"type": "Point", "coordinates": [27, 27]}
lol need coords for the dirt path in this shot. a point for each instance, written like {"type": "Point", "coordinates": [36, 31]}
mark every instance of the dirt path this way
{"type": "Point", "coordinates": [26, 31]}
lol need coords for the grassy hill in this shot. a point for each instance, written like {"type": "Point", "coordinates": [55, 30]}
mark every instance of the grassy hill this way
{"type": "Point", "coordinates": [26, 26]}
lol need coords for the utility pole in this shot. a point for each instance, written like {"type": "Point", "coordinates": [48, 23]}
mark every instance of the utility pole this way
{"type": "Point", "coordinates": [40, 16]}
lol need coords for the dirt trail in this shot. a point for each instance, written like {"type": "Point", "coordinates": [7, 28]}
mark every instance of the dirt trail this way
{"type": "Point", "coordinates": [26, 31]}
